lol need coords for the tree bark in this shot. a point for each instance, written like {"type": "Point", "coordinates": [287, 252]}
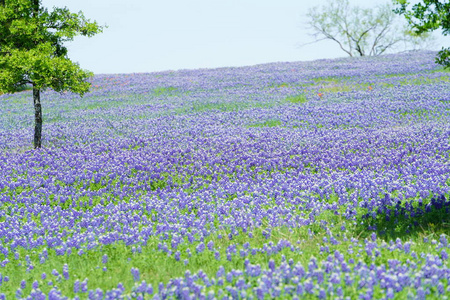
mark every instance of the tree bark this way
{"type": "Point", "coordinates": [37, 95]}
{"type": "Point", "coordinates": [37, 117]}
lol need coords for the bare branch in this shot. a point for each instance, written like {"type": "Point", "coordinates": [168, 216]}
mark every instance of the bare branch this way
{"type": "Point", "coordinates": [313, 42]}
{"type": "Point", "coordinates": [358, 30]}
{"type": "Point", "coordinates": [331, 37]}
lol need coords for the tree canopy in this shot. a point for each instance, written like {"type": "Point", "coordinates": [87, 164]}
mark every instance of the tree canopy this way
{"type": "Point", "coordinates": [427, 16]}
{"type": "Point", "coordinates": [32, 47]}
{"type": "Point", "coordinates": [32, 51]}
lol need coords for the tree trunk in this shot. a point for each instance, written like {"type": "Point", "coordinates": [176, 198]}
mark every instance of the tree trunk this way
{"type": "Point", "coordinates": [37, 93]}
{"type": "Point", "coordinates": [37, 117]}
{"type": "Point", "coordinates": [35, 4]}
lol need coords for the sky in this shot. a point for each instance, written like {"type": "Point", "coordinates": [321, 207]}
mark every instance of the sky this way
{"type": "Point", "coordinates": [159, 35]}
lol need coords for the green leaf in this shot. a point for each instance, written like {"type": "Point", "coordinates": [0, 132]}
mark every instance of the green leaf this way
{"type": "Point", "coordinates": [32, 47]}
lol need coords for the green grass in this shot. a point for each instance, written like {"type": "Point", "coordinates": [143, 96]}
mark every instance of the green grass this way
{"type": "Point", "coordinates": [268, 123]}
{"type": "Point", "coordinates": [424, 80]}
{"type": "Point", "coordinates": [231, 106]}
{"type": "Point", "coordinates": [164, 90]}
{"type": "Point", "coordinates": [429, 218]}
{"type": "Point", "coordinates": [441, 70]}
{"type": "Point", "coordinates": [222, 106]}
{"type": "Point", "coordinates": [299, 99]}
{"type": "Point", "coordinates": [334, 84]}
{"type": "Point", "coordinates": [157, 266]}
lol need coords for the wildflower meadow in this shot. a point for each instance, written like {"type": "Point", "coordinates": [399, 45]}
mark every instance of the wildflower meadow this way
{"type": "Point", "coordinates": [327, 179]}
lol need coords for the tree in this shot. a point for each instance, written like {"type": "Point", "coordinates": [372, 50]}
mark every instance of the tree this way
{"type": "Point", "coordinates": [361, 32]}
{"type": "Point", "coordinates": [32, 51]}
{"type": "Point", "coordinates": [427, 16]}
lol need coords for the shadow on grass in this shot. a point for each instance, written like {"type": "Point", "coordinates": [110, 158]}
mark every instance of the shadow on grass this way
{"type": "Point", "coordinates": [408, 219]}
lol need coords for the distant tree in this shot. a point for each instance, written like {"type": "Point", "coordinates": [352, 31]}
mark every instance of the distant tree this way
{"type": "Point", "coordinates": [32, 51]}
{"type": "Point", "coordinates": [427, 16]}
{"type": "Point", "coordinates": [361, 32]}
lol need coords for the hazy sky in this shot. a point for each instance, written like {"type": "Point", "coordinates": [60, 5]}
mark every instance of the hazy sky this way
{"type": "Point", "coordinates": [157, 35]}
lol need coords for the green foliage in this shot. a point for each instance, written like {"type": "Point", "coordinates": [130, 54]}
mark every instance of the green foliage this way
{"type": "Point", "coordinates": [427, 16]}
{"type": "Point", "coordinates": [32, 50]}
{"type": "Point", "coordinates": [443, 58]}
{"type": "Point", "coordinates": [38, 67]}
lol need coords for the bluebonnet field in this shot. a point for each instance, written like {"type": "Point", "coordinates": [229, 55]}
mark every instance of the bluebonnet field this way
{"type": "Point", "coordinates": [324, 179]}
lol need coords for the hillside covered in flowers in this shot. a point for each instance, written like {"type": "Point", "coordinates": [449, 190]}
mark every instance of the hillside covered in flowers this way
{"type": "Point", "coordinates": [303, 180]}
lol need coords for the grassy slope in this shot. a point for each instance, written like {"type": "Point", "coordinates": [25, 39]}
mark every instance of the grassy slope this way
{"type": "Point", "coordinates": [328, 234]}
